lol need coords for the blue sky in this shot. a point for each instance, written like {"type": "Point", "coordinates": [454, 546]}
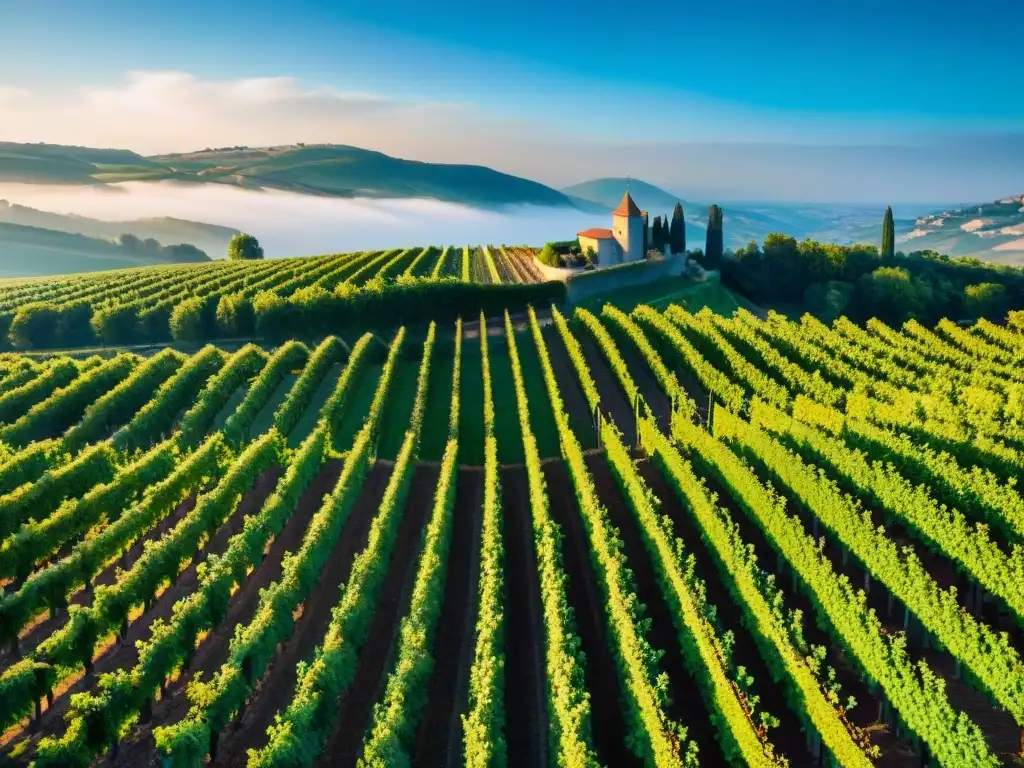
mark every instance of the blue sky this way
{"type": "Point", "coordinates": [561, 91]}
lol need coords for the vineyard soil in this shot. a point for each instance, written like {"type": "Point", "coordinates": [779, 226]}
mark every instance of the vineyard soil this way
{"type": "Point", "coordinates": [355, 709]}
{"type": "Point", "coordinates": [607, 696]}
{"type": "Point", "coordinates": [439, 740]}
{"type": "Point", "coordinates": [119, 655]}
{"type": "Point", "coordinates": [275, 689]}
{"type": "Point", "coordinates": [526, 701]}
{"type": "Point", "coordinates": [212, 652]}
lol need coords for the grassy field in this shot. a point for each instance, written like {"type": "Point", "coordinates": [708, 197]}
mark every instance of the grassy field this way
{"type": "Point", "coordinates": [677, 290]}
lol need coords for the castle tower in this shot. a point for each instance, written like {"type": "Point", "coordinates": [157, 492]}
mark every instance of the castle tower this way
{"type": "Point", "coordinates": [628, 229]}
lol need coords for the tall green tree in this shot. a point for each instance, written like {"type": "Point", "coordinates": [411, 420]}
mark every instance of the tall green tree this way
{"type": "Point", "coordinates": [888, 235]}
{"type": "Point", "coordinates": [243, 246]}
{"type": "Point", "coordinates": [677, 231]}
{"type": "Point", "coordinates": [656, 235]}
{"type": "Point", "coordinates": [713, 246]}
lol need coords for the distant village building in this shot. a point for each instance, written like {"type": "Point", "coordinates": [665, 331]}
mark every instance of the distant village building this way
{"type": "Point", "coordinates": [624, 242]}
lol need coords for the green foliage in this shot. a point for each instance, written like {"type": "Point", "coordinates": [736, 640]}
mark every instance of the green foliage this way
{"type": "Point", "coordinates": [913, 689]}
{"type": "Point", "coordinates": [288, 356]}
{"type": "Point", "coordinates": [568, 701]}
{"type": "Point", "coordinates": [391, 738]}
{"type": "Point", "coordinates": [549, 256]}
{"type": "Point", "coordinates": [653, 737]}
{"type": "Point", "coordinates": [244, 247]}
{"type": "Point", "coordinates": [240, 369]}
{"type": "Point", "coordinates": [116, 407]}
{"type": "Point", "coordinates": [187, 321]}
{"type": "Point", "coordinates": [891, 293]}
{"type": "Point", "coordinates": [714, 243]}
{"type": "Point", "coordinates": [1015, 320]}
{"type": "Point", "coordinates": [677, 231]}
{"type": "Point", "coordinates": [828, 300]}
{"type": "Point", "coordinates": [316, 312]}
{"type": "Point", "coordinates": [778, 633]}
{"type": "Point", "coordinates": [888, 249]}
{"type": "Point", "coordinates": [35, 326]}
{"type": "Point", "coordinates": [235, 317]}
{"type": "Point", "coordinates": [47, 324]}
{"type": "Point", "coordinates": [985, 300]}
{"type": "Point", "coordinates": [65, 406]}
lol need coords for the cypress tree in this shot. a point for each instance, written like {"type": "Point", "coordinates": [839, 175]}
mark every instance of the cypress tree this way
{"type": "Point", "coordinates": [656, 234]}
{"type": "Point", "coordinates": [888, 235]}
{"type": "Point", "coordinates": [677, 231]}
{"type": "Point", "coordinates": [713, 246]}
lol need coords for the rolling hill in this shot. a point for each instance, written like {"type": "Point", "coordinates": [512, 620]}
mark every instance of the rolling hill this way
{"type": "Point", "coordinates": [989, 231]}
{"type": "Point", "coordinates": [30, 251]}
{"type": "Point", "coordinates": [326, 170]}
{"type": "Point", "coordinates": [607, 193]}
{"type": "Point", "coordinates": [211, 238]}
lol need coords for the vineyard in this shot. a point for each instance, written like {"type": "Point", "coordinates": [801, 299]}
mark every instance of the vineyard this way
{"type": "Point", "coordinates": [243, 299]}
{"type": "Point", "coordinates": [655, 538]}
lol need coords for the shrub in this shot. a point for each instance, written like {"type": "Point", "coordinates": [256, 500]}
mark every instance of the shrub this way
{"type": "Point", "coordinates": [117, 324]}
{"type": "Point", "coordinates": [35, 326]}
{"type": "Point", "coordinates": [187, 322]}
{"type": "Point", "coordinates": [45, 324]}
{"type": "Point", "coordinates": [234, 316]}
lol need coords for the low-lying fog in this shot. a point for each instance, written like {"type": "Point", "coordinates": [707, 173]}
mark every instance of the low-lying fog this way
{"type": "Point", "coordinates": [288, 224]}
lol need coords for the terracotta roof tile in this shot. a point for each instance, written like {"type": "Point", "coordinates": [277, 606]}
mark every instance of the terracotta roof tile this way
{"type": "Point", "coordinates": [627, 207]}
{"type": "Point", "coordinates": [596, 233]}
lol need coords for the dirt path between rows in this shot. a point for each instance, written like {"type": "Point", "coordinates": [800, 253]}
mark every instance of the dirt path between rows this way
{"type": "Point", "coordinates": [118, 656]}
{"type": "Point", "coordinates": [526, 718]}
{"type": "Point", "coordinates": [378, 652]}
{"type": "Point", "coordinates": [787, 737]}
{"type": "Point", "coordinates": [138, 749]}
{"type": "Point", "coordinates": [614, 403]}
{"type": "Point", "coordinates": [576, 406]}
{"type": "Point", "coordinates": [45, 625]}
{"type": "Point", "coordinates": [276, 688]}
{"type": "Point", "coordinates": [439, 740]}
{"type": "Point", "coordinates": [608, 723]}
{"type": "Point", "coordinates": [687, 706]}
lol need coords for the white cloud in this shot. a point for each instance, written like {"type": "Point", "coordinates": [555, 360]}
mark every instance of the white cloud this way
{"type": "Point", "coordinates": [168, 111]}
{"type": "Point", "coordinates": [10, 95]}
{"type": "Point", "coordinates": [154, 112]}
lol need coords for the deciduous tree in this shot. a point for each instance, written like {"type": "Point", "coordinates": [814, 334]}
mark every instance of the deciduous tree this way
{"type": "Point", "coordinates": [244, 246]}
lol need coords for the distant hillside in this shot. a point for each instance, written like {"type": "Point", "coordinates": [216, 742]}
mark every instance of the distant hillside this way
{"type": "Point", "coordinates": [327, 170]}
{"type": "Point", "coordinates": [211, 238]}
{"type": "Point", "coordinates": [608, 192]}
{"type": "Point", "coordinates": [57, 164]}
{"type": "Point", "coordinates": [741, 224]}
{"type": "Point", "coordinates": [989, 231]}
{"type": "Point", "coordinates": [29, 251]}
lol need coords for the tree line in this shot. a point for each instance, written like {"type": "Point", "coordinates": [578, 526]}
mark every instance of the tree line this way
{"type": "Point", "coordinates": [309, 312]}
{"type": "Point", "coordinates": [863, 281]}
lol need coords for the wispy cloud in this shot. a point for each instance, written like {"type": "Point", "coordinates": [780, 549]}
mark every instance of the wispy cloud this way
{"type": "Point", "coordinates": [289, 224]}
{"type": "Point", "coordinates": [169, 111]}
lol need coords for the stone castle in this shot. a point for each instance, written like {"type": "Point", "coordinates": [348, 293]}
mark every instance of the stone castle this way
{"type": "Point", "coordinates": [624, 242]}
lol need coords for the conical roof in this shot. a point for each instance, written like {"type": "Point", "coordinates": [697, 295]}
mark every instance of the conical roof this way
{"type": "Point", "coordinates": [627, 207]}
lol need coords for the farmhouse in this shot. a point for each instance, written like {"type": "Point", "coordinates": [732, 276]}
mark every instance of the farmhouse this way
{"type": "Point", "coordinates": [622, 243]}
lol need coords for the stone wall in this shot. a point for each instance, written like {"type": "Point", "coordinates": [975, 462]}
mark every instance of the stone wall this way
{"type": "Point", "coordinates": [585, 284]}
